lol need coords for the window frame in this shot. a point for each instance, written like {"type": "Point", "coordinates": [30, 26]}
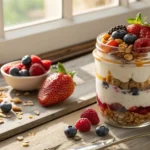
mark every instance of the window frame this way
{"type": "Point", "coordinates": [69, 30]}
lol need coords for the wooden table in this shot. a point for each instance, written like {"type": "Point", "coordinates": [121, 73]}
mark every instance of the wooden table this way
{"type": "Point", "coordinates": [50, 136]}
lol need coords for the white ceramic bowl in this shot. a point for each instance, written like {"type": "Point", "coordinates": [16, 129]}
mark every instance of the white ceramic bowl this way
{"type": "Point", "coordinates": [23, 83]}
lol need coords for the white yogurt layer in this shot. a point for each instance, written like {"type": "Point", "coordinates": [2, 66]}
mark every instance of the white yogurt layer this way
{"type": "Point", "coordinates": [123, 73]}
{"type": "Point", "coordinates": [110, 96]}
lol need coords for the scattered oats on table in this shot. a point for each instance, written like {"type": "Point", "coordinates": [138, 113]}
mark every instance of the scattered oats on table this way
{"type": "Point", "coordinates": [20, 138]}
{"type": "Point", "coordinates": [28, 103]}
{"type": "Point", "coordinates": [1, 121]}
{"type": "Point", "coordinates": [37, 112]}
{"type": "Point", "coordinates": [16, 108]}
{"type": "Point", "coordinates": [17, 94]}
{"type": "Point", "coordinates": [26, 93]}
{"type": "Point", "coordinates": [31, 134]}
{"type": "Point", "coordinates": [2, 115]}
{"type": "Point", "coordinates": [25, 144]}
{"type": "Point", "coordinates": [16, 100]}
{"type": "Point", "coordinates": [30, 117]}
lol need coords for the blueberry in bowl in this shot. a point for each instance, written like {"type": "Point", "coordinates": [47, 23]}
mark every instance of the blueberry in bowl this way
{"type": "Point", "coordinates": [26, 74]}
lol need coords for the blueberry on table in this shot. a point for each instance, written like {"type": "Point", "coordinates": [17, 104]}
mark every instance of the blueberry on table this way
{"type": "Point", "coordinates": [26, 60]}
{"type": "Point", "coordinates": [70, 132]}
{"type": "Point", "coordinates": [6, 106]}
{"type": "Point", "coordinates": [119, 34]}
{"type": "Point", "coordinates": [130, 38]}
{"type": "Point", "coordinates": [24, 72]}
{"type": "Point", "coordinates": [102, 131]}
{"type": "Point", "coordinates": [14, 71]}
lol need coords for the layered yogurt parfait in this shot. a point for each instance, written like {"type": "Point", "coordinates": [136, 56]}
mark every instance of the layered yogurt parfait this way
{"type": "Point", "coordinates": [122, 59]}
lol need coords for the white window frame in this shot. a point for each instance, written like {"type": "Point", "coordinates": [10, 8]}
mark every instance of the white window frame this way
{"type": "Point", "coordinates": [69, 30]}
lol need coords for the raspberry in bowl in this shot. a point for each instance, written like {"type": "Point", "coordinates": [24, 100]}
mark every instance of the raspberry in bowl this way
{"type": "Point", "coordinates": [122, 60]}
{"type": "Point", "coordinates": [27, 74]}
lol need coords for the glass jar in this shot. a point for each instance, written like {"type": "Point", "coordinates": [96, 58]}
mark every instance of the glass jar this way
{"type": "Point", "coordinates": [123, 85]}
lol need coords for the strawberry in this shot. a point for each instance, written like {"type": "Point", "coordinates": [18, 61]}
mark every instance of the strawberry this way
{"type": "Point", "coordinates": [7, 68]}
{"type": "Point", "coordinates": [113, 43]}
{"type": "Point", "coordinates": [83, 125]}
{"type": "Point", "coordinates": [46, 64]}
{"type": "Point", "coordinates": [90, 114]}
{"type": "Point", "coordinates": [36, 69]}
{"type": "Point", "coordinates": [134, 29]}
{"type": "Point", "coordinates": [140, 44]}
{"type": "Point", "coordinates": [35, 59]}
{"type": "Point", "coordinates": [57, 87]}
{"type": "Point", "coordinates": [145, 32]}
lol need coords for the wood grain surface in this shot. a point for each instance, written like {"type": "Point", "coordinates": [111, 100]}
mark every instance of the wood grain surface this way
{"type": "Point", "coordinates": [50, 136]}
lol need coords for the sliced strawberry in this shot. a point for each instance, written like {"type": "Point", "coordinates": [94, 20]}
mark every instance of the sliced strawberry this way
{"type": "Point", "coordinates": [141, 44]}
{"type": "Point", "coordinates": [36, 59]}
{"type": "Point", "coordinates": [36, 69]}
{"type": "Point", "coordinates": [46, 64]}
{"type": "Point", "coordinates": [134, 29]}
{"type": "Point", "coordinates": [113, 43]}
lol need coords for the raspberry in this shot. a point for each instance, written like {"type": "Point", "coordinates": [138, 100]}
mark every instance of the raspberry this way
{"type": "Point", "coordinates": [19, 66]}
{"type": "Point", "coordinates": [134, 29]}
{"type": "Point", "coordinates": [7, 68]}
{"type": "Point", "coordinates": [140, 44]}
{"type": "Point", "coordinates": [145, 32]}
{"type": "Point", "coordinates": [36, 59]}
{"type": "Point", "coordinates": [91, 115]}
{"type": "Point", "coordinates": [46, 64]}
{"type": "Point", "coordinates": [36, 69]}
{"type": "Point", "coordinates": [83, 125]}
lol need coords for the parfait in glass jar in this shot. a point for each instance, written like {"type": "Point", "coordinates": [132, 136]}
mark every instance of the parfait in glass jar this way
{"type": "Point", "coordinates": [122, 60]}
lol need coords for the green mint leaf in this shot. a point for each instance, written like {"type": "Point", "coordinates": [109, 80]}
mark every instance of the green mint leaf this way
{"type": "Point", "coordinates": [131, 21]}
{"type": "Point", "coordinates": [139, 18]}
{"type": "Point", "coordinates": [61, 68]}
{"type": "Point", "coordinates": [144, 19]}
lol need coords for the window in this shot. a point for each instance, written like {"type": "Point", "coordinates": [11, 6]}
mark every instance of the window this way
{"type": "Point", "coordinates": [21, 12]}
{"type": "Point", "coordinates": [84, 6]}
{"type": "Point", "coordinates": [39, 26]}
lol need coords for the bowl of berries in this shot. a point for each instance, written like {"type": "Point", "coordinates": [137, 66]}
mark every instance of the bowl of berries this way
{"type": "Point", "coordinates": [27, 74]}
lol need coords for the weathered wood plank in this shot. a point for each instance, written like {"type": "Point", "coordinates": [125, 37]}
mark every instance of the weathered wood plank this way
{"type": "Point", "coordinates": [51, 135]}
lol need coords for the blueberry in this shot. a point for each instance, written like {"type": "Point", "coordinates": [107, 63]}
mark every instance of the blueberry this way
{"type": "Point", "coordinates": [14, 71]}
{"type": "Point", "coordinates": [70, 132]}
{"type": "Point", "coordinates": [26, 60]}
{"type": "Point", "coordinates": [105, 84]}
{"type": "Point", "coordinates": [102, 131]}
{"type": "Point", "coordinates": [135, 91]}
{"type": "Point", "coordinates": [130, 38]}
{"type": "Point", "coordinates": [24, 72]}
{"type": "Point", "coordinates": [119, 34]}
{"type": "Point", "coordinates": [6, 106]}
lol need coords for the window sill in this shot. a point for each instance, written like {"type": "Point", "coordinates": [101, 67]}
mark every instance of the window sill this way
{"type": "Point", "coordinates": [62, 33]}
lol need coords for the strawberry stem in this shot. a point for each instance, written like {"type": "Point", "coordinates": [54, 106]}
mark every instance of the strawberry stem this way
{"type": "Point", "coordinates": [138, 20]}
{"type": "Point", "coordinates": [61, 69]}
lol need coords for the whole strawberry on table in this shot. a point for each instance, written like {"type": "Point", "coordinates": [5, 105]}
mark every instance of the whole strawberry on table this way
{"type": "Point", "coordinates": [57, 87]}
